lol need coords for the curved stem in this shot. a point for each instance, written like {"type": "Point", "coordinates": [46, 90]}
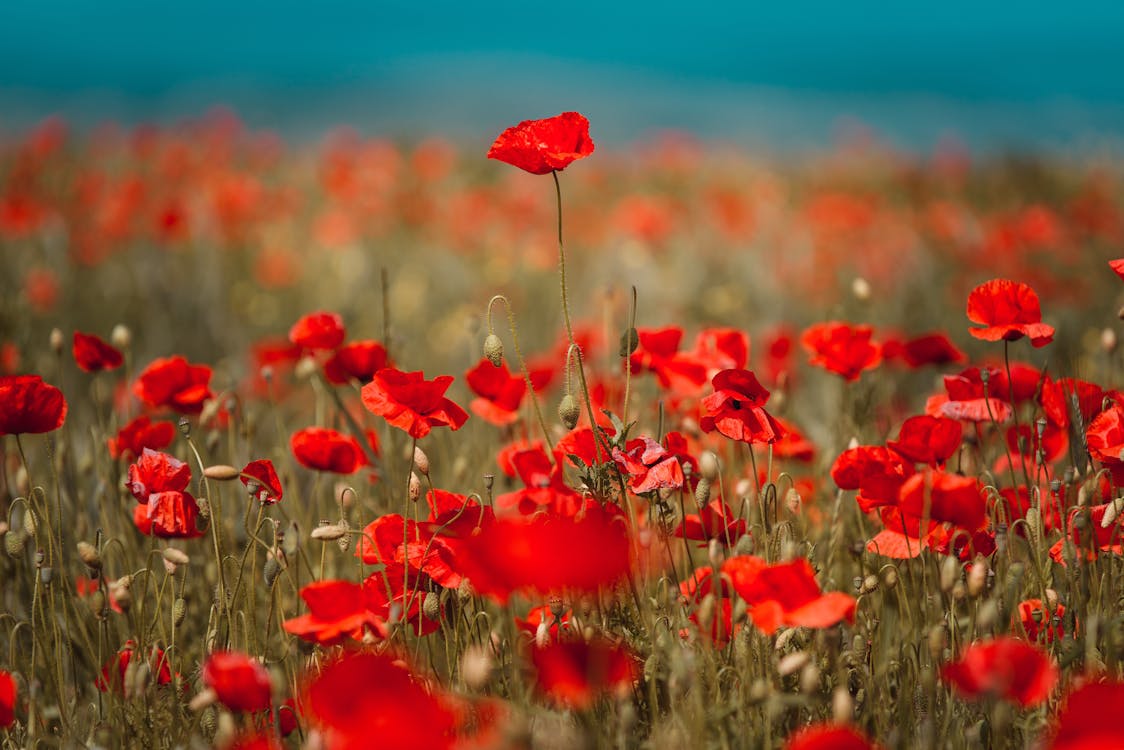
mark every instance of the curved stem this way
{"type": "Point", "coordinates": [522, 367]}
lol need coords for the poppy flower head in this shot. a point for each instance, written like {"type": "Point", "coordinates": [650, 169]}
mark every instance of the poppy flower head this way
{"type": "Point", "coordinates": [268, 489]}
{"type": "Point", "coordinates": [1008, 311]}
{"type": "Point", "coordinates": [324, 449]}
{"type": "Point", "coordinates": [544, 146]}
{"type": "Point", "coordinates": [574, 673]}
{"type": "Point", "coordinates": [1088, 721]}
{"type": "Point", "coordinates": [358, 360]}
{"type": "Point", "coordinates": [7, 700]}
{"type": "Point", "coordinates": [786, 594]}
{"type": "Point", "coordinates": [241, 683]}
{"type": "Point", "coordinates": [411, 403]}
{"type": "Point", "coordinates": [1003, 667]}
{"type": "Point", "coordinates": [28, 405]}
{"type": "Point", "coordinates": [842, 348]}
{"type": "Point", "coordinates": [735, 409]}
{"type": "Point", "coordinates": [174, 383]}
{"type": "Point", "coordinates": [499, 393]}
{"type": "Point", "coordinates": [336, 610]}
{"type": "Point", "coordinates": [91, 354]}
{"type": "Point", "coordinates": [318, 330]}
{"type": "Point", "coordinates": [157, 472]}
{"type": "Point", "coordinates": [139, 434]}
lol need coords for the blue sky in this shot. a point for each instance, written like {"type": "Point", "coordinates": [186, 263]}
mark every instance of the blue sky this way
{"type": "Point", "coordinates": [973, 60]}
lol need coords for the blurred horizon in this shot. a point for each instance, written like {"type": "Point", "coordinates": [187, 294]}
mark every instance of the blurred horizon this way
{"type": "Point", "coordinates": [770, 77]}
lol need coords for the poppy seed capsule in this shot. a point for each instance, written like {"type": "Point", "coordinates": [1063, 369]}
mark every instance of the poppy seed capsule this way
{"type": "Point", "coordinates": [221, 472]}
{"type": "Point", "coordinates": [568, 411]}
{"type": "Point", "coordinates": [175, 556]}
{"type": "Point", "coordinates": [89, 555]}
{"type": "Point", "coordinates": [328, 532]}
{"type": "Point", "coordinates": [493, 349]}
{"type": "Point", "coordinates": [415, 487]}
{"type": "Point", "coordinates": [56, 340]}
{"type": "Point", "coordinates": [421, 461]}
{"type": "Point", "coordinates": [15, 542]}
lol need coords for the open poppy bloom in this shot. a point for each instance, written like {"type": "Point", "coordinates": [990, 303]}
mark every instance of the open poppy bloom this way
{"type": "Point", "coordinates": [113, 674]}
{"type": "Point", "coordinates": [499, 393]}
{"type": "Point", "coordinates": [928, 440]}
{"type": "Point", "coordinates": [28, 405]}
{"type": "Point", "coordinates": [927, 349]}
{"type": "Point", "coordinates": [141, 433]}
{"type": "Point", "coordinates": [7, 700]}
{"type": "Point", "coordinates": [159, 483]}
{"type": "Point", "coordinates": [786, 594]}
{"type": "Point", "coordinates": [410, 402]}
{"type": "Point", "coordinates": [1105, 438]}
{"type": "Point", "coordinates": [574, 673]}
{"type": "Point", "coordinates": [544, 146]}
{"type": "Point", "coordinates": [1007, 310]}
{"type": "Point", "coordinates": [658, 352]}
{"type": "Point", "coordinates": [91, 354]}
{"type": "Point", "coordinates": [544, 485]}
{"type": "Point", "coordinates": [174, 383]}
{"type": "Point", "coordinates": [1003, 667]}
{"type": "Point", "coordinates": [715, 520]}
{"type": "Point", "coordinates": [648, 466]}
{"type": "Point", "coordinates": [337, 610]}
{"type": "Point", "coordinates": [269, 489]}
{"type": "Point", "coordinates": [241, 683]}
{"type": "Point", "coordinates": [357, 360]}
{"type": "Point", "coordinates": [736, 409]}
{"type": "Point", "coordinates": [842, 348]}
{"type": "Point", "coordinates": [878, 473]}
{"type": "Point", "coordinates": [827, 736]}
{"type": "Point", "coordinates": [970, 398]}
{"type": "Point", "coordinates": [325, 449]}
{"type": "Point", "coordinates": [318, 330]}
{"type": "Point", "coordinates": [1089, 719]}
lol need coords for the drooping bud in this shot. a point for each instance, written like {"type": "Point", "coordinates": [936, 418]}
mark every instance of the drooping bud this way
{"type": "Point", "coordinates": [221, 472]}
{"type": "Point", "coordinates": [421, 461]}
{"type": "Point", "coordinates": [328, 532]}
{"type": "Point", "coordinates": [56, 340]}
{"type": "Point", "coordinates": [568, 411]}
{"type": "Point", "coordinates": [89, 554]}
{"type": "Point", "coordinates": [415, 487]}
{"type": "Point", "coordinates": [493, 349]}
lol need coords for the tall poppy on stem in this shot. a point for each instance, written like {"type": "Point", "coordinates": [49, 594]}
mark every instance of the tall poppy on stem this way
{"type": "Point", "coordinates": [1008, 311]}
{"type": "Point", "coordinates": [1003, 667]}
{"type": "Point", "coordinates": [408, 401]}
{"type": "Point", "coordinates": [28, 405]}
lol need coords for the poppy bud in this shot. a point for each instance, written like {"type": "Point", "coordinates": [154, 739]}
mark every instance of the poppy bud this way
{"type": "Point", "coordinates": [270, 570]}
{"type": "Point", "coordinates": [977, 577]}
{"type": "Point", "coordinates": [56, 340]}
{"type": "Point", "coordinates": [185, 426]}
{"type": "Point", "coordinates": [568, 411]}
{"type": "Point", "coordinates": [415, 487]}
{"type": "Point", "coordinates": [702, 492]}
{"type": "Point", "coordinates": [29, 522]}
{"type": "Point", "coordinates": [431, 607]}
{"type": "Point", "coordinates": [542, 634]}
{"type": "Point", "coordinates": [1108, 340]}
{"type": "Point", "coordinates": [868, 585]}
{"type": "Point", "coordinates": [421, 461]}
{"type": "Point", "coordinates": [328, 532]}
{"type": "Point", "coordinates": [1111, 512]}
{"type": "Point", "coordinates": [221, 472]}
{"type": "Point", "coordinates": [493, 349]}
{"type": "Point", "coordinates": [810, 679]}
{"type": "Point", "coordinates": [937, 640]}
{"type": "Point", "coordinates": [793, 663]}
{"type": "Point", "coordinates": [793, 501]}
{"type": "Point", "coordinates": [860, 288]}
{"type": "Point", "coordinates": [88, 553]}
{"type": "Point", "coordinates": [708, 466]}
{"type": "Point", "coordinates": [630, 339]}
{"type": "Point", "coordinates": [179, 611]}
{"type": "Point", "coordinates": [121, 336]}
{"type": "Point", "coordinates": [97, 605]}
{"type": "Point", "coordinates": [715, 553]}
{"type": "Point", "coordinates": [46, 575]}
{"type": "Point", "coordinates": [175, 556]}
{"type": "Point", "coordinates": [950, 573]}
{"type": "Point", "coordinates": [476, 667]}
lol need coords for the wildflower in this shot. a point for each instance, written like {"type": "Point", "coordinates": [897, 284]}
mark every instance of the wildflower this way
{"type": "Point", "coordinates": [786, 594]}
{"type": "Point", "coordinates": [357, 360]}
{"type": "Point", "coordinates": [269, 486]}
{"type": "Point", "coordinates": [574, 673]}
{"type": "Point", "coordinates": [1088, 721]}
{"type": "Point", "coordinates": [174, 383]}
{"type": "Point", "coordinates": [649, 466]}
{"type": "Point", "coordinates": [28, 405]}
{"type": "Point", "coordinates": [1003, 667]}
{"type": "Point", "coordinates": [337, 610]}
{"type": "Point", "coordinates": [159, 483]}
{"type": "Point", "coordinates": [139, 434]}
{"type": "Point", "coordinates": [241, 683]}
{"type": "Point", "coordinates": [1038, 621]}
{"type": "Point", "coordinates": [318, 330]}
{"type": "Point", "coordinates": [499, 393]}
{"type": "Point", "coordinates": [410, 402]}
{"type": "Point", "coordinates": [324, 449]}
{"type": "Point", "coordinates": [1008, 311]}
{"type": "Point", "coordinates": [736, 409]}
{"type": "Point", "coordinates": [715, 520]}
{"type": "Point", "coordinates": [7, 700]}
{"type": "Point", "coordinates": [113, 674]}
{"type": "Point", "coordinates": [544, 146]}
{"type": "Point", "coordinates": [92, 354]}
{"type": "Point", "coordinates": [826, 736]}
{"type": "Point", "coordinates": [842, 348]}
{"type": "Point", "coordinates": [928, 440]}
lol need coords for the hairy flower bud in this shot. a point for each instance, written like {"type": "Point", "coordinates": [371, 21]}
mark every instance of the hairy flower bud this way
{"type": "Point", "coordinates": [493, 349]}
{"type": "Point", "coordinates": [568, 411]}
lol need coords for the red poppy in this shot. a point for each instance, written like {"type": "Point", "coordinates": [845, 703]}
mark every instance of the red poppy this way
{"type": "Point", "coordinates": [928, 440]}
{"type": "Point", "coordinates": [927, 349]}
{"type": "Point", "coordinates": [735, 409]}
{"type": "Point", "coordinates": [658, 352]}
{"type": "Point", "coordinates": [324, 449]}
{"type": "Point", "coordinates": [241, 683]}
{"type": "Point", "coordinates": [827, 736]}
{"type": "Point", "coordinates": [842, 348]}
{"type": "Point", "coordinates": [1008, 311]}
{"type": "Point", "coordinates": [269, 486]}
{"type": "Point", "coordinates": [543, 616]}
{"type": "Point", "coordinates": [141, 433]}
{"type": "Point", "coordinates": [1089, 721]}
{"type": "Point", "coordinates": [1090, 534]}
{"type": "Point", "coordinates": [694, 591]}
{"type": "Point", "coordinates": [970, 399]}
{"type": "Point", "coordinates": [715, 520]}
{"type": "Point", "coordinates": [364, 698]}
{"type": "Point", "coordinates": [1117, 266]}
{"type": "Point", "coordinates": [499, 393]}
{"type": "Point", "coordinates": [648, 466]}
{"type": "Point", "coordinates": [410, 402]}
{"type": "Point", "coordinates": [336, 610]}
{"type": "Point", "coordinates": [722, 349]}
{"type": "Point", "coordinates": [168, 515]}
{"type": "Point", "coordinates": [173, 382]}
{"type": "Point", "coordinates": [547, 554]}
{"type": "Point", "coordinates": [113, 674]}
{"type": "Point", "coordinates": [544, 146]}
{"type": "Point", "coordinates": [318, 330]}
{"type": "Point", "coordinates": [28, 405]}
{"type": "Point", "coordinates": [786, 594]}
{"type": "Point", "coordinates": [793, 444]}
{"type": "Point", "coordinates": [1003, 667]}
{"type": "Point", "coordinates": [544, 486]}
{"type": "Point", "coordinates": [876, 472]}
{"type": "Point", "coordinates": [574, 673]}
{"type": "Point", "coordinates": [357, 360]}
{"type": "Point", "coordinates": [155, 472]}
{"type": "Point", "coordinates": [1105, 439]}
{"type": "Point", "coordinates": [7, 700]}
{"type": "Point", "coordinates": [1038, 621]}
{"type": "Point", "coordinates": [942, 498]}
{"type": "Point", "coordinates": [92, 354]}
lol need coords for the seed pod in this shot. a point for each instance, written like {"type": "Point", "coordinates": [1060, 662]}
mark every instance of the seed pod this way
{"type": "Point", "coordinates": [476, 667]}
{"type": "Point", "coordinates": [493, 349]}
{"type": "Point", "coordinates": [173, 555]}
{"type": "Point", "coordinates": [46, 574]}
{"type": "Point", "coordinates": [328, 532]}
{"type": "Point", "coordinates": [568, 411]}
{"type": "Point", "coordinates": [431, 606]}
{"type": "Point", "coordinates": [421, 461]}
{"type": "Point", "coordinates": [702, 492]}
{"type": "Point", "coordinates": [868, 585]}
{"type": "Point", "coordinates": [29, 521]}
{"type": "Point", "coordinates": [270, 570]}
{"type": "Point", "coordinates": [88, 554]}
{"type": "Point", "coordinates": [97, 605]}
{"type": "Point", "coordinates": [221, 472]}
{"type": "Point", "coordinates": [630, 339]}
{"type": "Point", "coordinates": [179, 611]}
{"type": "Point", "coordinates": [15, 542]}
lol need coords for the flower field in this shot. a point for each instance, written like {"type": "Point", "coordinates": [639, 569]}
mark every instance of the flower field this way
{"type": "Point", "coordinates": [369, 443]}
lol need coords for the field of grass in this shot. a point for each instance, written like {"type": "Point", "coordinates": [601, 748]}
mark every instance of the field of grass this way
{"type": "Point", "coordinates": [386, 444]}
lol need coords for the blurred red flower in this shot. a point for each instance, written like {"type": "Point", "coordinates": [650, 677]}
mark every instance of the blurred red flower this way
{"type": "Point", "coordinates": [1037, 620]}
{"type": "Point", "coordinates": [1105, 439]}
{"type": "Point", "coordinates": [1089, 719]}
{"type": "Point", "coordinates": [544, 146]}
{"type": "Point", "coordinates": [158, 482]}
{"type": "Point", "coordinates": [325, 449]}
{"type": "Point", "coordinates": [337, 610]}
{"type": "Point", "coordinates": [7, 700]}
{"type": "Point", "coordinates": [410, 402]}
{"type": "Point", "coordinates": [269, 489]}
{"type": "Point", "coordinates": [358, 360]}
{"type": "Point", "coordinates": [1008, 311]}
{"type": "Point", "coordinates": [241, 683]}
{"type": "Point", "coordinates": [928, 440]}
{"type": "Point", "coordinates": [499, 393]}
{"type": "Point", "coordinates": [715, 520]}
{"type": "Point", "coordinates": [942, 498]}
{"type": "Point", "coordinates": [318, 330]}
{"type": "Point", "coordinates": [92, 354]}
{"type": "Point", "coordinates": [139, 434]}
{"type": "Point", "coordinates": [1003, 667]}
{"type": "Point", "coordinates": [113, 674]}
{"type": "Point", "coordinates": [827, 736]}
{"type": "Point", "coordinates": [155, 472]}
{"type": "Point", "coordinates": [842, 348]}
{"type": "Point", "coordinates": [735, 409]}
{"type": "Point", "coordinates": [28, 405]}
{"type": "Point", "coordinates": [927, 349]}
{"type": "Point", "coordinates": [173, 382]}
{"type": "Point", "coordinates": [786, 594]}
{"type": "Point", "coordinates": [658, 352]}
{"type": "Point", "coordinates": [574, 673]}
{"type": "Point", "coordinates": [1117, 266]}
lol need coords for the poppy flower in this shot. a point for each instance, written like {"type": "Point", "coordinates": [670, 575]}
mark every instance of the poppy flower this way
{"type": "Point", "coordinates": [648, 466]}
{"type": "Point", "coordinates": [357, 360]}
{"type": "Point", "coordinates": [827, 736]}
{"type": "Point", "coordinates": [1105, 439]}
{"type": "Point", "coordinates": [786, 594]}
{"type": "Point", "coordinates": [574, 673]}
{"type": "Point", "coordinates": [722, 349]}
{"type": "Point", "coordinates": [325, 449]}
{"type": "Point", "coordinates": [876, 472]}
{"type": "Point", "coordinates": [943, 498]}
{"type": "Point", "coordinates": [971, 398]}
{"type": "Point", "coordinates": [156, 472]}
{"type": "Point", "coordinates": [1007, 310]}
{"type": "Point", "coordinates": [269, 486]}
{"type": "Point", "coordinates": [694, 591]}
{"type": "Point", "coordinates": [658, 352]}
{"type": "Point", "coordinates": [544, 146]}
{"type": "Point", "coordinates": [139, 434]}
{"type": "Point", "coordinates": [113, 674]}
{"type": "Point", "coordinates": [547, 554]}
{"type": "Point", "coordinates": [927, 349]}
{"type": "Point", "coordinates": [499, 393]}
{"type": "Point", "coordinates": [928, 440]}
{"type": "Point", "coordinates": [544, 486]}
{"type": "Point", "coordinates": [168, 515]}
{"type": "Point", "coordinates": [543, 614]}
{"type": "Point", "coordinates": [410, 402]}
{"type": "Point", "coordinates": [842, 348]}
{"type": "Point", "coordinates": [715, 520]}
{"type": "Point", "coordinates": [318, 330]}
{"type": "Point", "coordinates": [174, 383]}
{"type": "Point", "coordinates": [241, 683]}
{"type": "Point", "coordinates": [1089, 534]}
{"type": "Point", "coordinates": [363, 698]}
{"type": "Point", "coordinates": [92, 354]}
{"type": "Point", "coordinates": [1088, 721]}
{"type": "Point", "coordinates": [28, 405]}
{"type": "Point", "coordinates": [1117, 266]}
{"type": "Point", "coordinates": [336, 610]}
{"type": "Point", "coordinates": [7, 700]}
{"type": "Point", "coordinates": [1003, 667]}
{"type": "Point", "coordinates": [1037, 620]}
{"type": "Point", "coordinates": [735, 409]}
